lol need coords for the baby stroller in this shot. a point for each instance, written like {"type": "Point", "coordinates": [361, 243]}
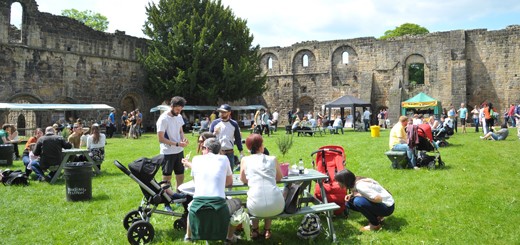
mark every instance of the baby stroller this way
{"type": "Point", "coordinates": [137, 222]}
{"type": "Point", "coordinates": [330, 159]}
{"type": "Point", "coordinates": [421, 149]}
{"type": "Point", "coordinates": [441, 135]}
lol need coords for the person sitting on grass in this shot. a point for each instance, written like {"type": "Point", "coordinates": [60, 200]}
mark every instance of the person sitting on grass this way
{"type": "Point", "coordinates": [500, 135]}
{"type": "Point", "coordinates": [261, 172]}
{"type": "Point", "coordinates": [366, 196]}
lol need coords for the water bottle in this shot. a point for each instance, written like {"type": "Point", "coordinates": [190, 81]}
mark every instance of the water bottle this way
{"type": "Point", "coordinates": [301, 167]}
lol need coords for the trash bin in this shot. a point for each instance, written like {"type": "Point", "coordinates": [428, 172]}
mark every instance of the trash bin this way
{"type": "Point", "coordinates": [374, 131]}
{"type": "Point", "coordinates": [78, 181]}
{"type": "Point", "coordinates": [6, 154]}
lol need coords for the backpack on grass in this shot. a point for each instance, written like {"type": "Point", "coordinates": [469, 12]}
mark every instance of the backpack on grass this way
{"type": "Point", "coordinates": [310, 227]}
{"type": "Point", "coordinates": [14, 177]}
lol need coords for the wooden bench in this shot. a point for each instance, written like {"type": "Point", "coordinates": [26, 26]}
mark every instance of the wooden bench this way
{"type": "Point", "coordinates": [305, 131]}
{"type": "Point", "coordinates": [317, 208]}
{"type": "Point", "coordinates": [398, 158]}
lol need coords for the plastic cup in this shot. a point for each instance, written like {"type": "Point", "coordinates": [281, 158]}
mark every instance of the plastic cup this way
{"type": "Point", "coordinates": [285, 169]}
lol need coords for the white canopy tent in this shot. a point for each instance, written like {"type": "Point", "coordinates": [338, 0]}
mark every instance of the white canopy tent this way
{"type": "Point", "coordinates": [15, 111]}
{"type": "Point", "coordinates": [54, 107]}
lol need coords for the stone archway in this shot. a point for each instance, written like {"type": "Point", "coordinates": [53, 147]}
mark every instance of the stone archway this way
{"type": "Point", "coordinates": [306, 104]}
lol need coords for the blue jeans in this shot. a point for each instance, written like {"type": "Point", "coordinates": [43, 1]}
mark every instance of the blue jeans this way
{"type": "Point", "coordinates": [337, 128]}
{"type": "Point", "coordinates": [231, 157]}
{"type": "Point", "coordinates": [35, 166]}
{"type": "Point", "coordinates": [369, 209]}
{"type": "Point", "coordinates": [367, 124]}
{"type": "Point", "coordinates": [475, 121]}
{"type": "Point", "coordinates": [409, 153]}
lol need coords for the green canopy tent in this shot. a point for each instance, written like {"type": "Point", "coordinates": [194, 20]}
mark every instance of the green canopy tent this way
{"type": "Point", "coordinates": [422, 102]}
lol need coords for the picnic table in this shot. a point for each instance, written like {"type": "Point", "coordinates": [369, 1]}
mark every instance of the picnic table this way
{"type": "Point", "coordinates": [306, 198]}
{"type": "Point", "coordinates": [67, 153]}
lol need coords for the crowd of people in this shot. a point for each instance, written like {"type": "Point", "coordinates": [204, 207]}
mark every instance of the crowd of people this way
{"type": "Point", "coordinates": [213, 170]}
{"type": "Point", "coordinates": [42, 153]}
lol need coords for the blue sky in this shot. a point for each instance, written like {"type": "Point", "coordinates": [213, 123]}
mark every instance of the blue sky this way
{"type": "Point", "coordinates": [285, 22]}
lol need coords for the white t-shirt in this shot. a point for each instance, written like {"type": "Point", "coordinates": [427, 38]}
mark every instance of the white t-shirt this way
{"type": "Point", "coordinates": [275, 116]}
{"type": "Point", "coordinates": [370, 188]}
{"type": "Point", "coordinates": [171, 126]}
{"type": "Point", "coordinates": [209, 174]}
{"type": "Point", "coordinates": [337, 122]}
{"type": "Point", "coordinates": [99, 144]}
{"type": "Point", "coordinates": [366, 115]}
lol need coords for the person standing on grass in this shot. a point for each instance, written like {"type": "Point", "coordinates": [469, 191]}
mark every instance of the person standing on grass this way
{"type": "Point", "coordinates": [172, 142]}
{"type": "Point", "coordinates": [111, 123]}
{"type": "Point", "coordinates": [463, 114]}
{"type": "Point", "coordinates": [366, 196]}
{"type": "Point", "coordinates": [228, 134]}
{"type": "Point", "coordinates": [476, 112]}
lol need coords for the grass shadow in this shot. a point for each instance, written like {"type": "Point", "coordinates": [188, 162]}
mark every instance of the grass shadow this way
{"type": "Point", "coordinates": [394, 224]}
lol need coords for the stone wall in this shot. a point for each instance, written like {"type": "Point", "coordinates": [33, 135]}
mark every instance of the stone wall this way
{"type": "Point", "coordinates": [60, 60]}
{"type": "Point", "coordinates": [472, 66]}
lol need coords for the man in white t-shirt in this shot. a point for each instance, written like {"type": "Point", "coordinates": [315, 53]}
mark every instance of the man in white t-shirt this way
{"type": "Point", "coordinates": [274, 122]}
{"type": "Point", "coordinates": [366, 118]}
{"type": "Point", "coordinates": [172, 142]}
{"type": "Point", "coordinates": [211, 174]}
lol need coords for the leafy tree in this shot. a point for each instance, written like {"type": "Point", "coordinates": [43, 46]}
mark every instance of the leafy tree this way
{"type": "Point", "coordinates": [199, 50]}
{"type": "Point", "coordinates": [405, 29]}
{"type": "Point", "coordinates": [416, 73]}
{"type": "Point", "coordinates": [93, 20]}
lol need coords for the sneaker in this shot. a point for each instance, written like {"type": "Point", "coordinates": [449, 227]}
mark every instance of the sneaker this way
{"type": "Point", "coordinates": [416, 168]}
{"type": "Point", "coordinates": [176, 196]}
{"type": "Point", "coordinates": [167, 208]}
{"type": "Point", "coordinates": [187, 239]}
{"type": "Point", "coordinates": [481, 137]}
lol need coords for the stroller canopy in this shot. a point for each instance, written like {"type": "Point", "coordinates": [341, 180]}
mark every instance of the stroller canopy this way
{"type": "Point", "coordinates": [421, 102]}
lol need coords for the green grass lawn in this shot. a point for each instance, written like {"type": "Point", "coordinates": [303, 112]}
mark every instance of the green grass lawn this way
{"type": "Point", "coordinates": [474, 200]}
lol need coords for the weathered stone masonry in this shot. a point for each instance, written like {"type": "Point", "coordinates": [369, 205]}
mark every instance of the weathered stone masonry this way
{"type": "Point", "coordinates": [58, 60]}
{"type": "Point", "coordinates": [460, 66]}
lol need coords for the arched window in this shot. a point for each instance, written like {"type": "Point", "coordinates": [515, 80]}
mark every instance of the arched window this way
{"type": "Point", "coordinates": [15, 27]}
{"type": "Point", "coordinates": [270, 63]}
{"type": "Point", "coordinates": [344, 57]}
{"type": "Point", "coordinates": [305, 60]}
{"type": "Point", "coordinates": [416, 73]}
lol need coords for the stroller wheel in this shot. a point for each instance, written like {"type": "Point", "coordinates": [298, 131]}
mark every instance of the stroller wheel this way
{"type": "Point", "coordinates": [179, 224]}
{"type": "Point", "coordinates": [443, 144]}
{"type": "Point", "coordinates": [140, 232]}
{"type": "Point", "coordinates": [431, 165]}
{"type": "Point", "coordinates": [130, 218]}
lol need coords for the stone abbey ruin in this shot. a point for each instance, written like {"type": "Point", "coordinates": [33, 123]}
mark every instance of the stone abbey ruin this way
{"type": "Point", "coordinates": [54, 59]}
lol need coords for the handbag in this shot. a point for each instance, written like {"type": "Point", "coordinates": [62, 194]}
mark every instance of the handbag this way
{"type": "Point", "coordinates": [291, 199]}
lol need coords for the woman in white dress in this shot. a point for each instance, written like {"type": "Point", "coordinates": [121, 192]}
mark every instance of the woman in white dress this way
{"type": "Point", "coordinates": [261, 172]}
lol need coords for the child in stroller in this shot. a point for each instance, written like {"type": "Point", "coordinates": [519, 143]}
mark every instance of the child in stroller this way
{"type": "Point", "coordinates": [137, 222]}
